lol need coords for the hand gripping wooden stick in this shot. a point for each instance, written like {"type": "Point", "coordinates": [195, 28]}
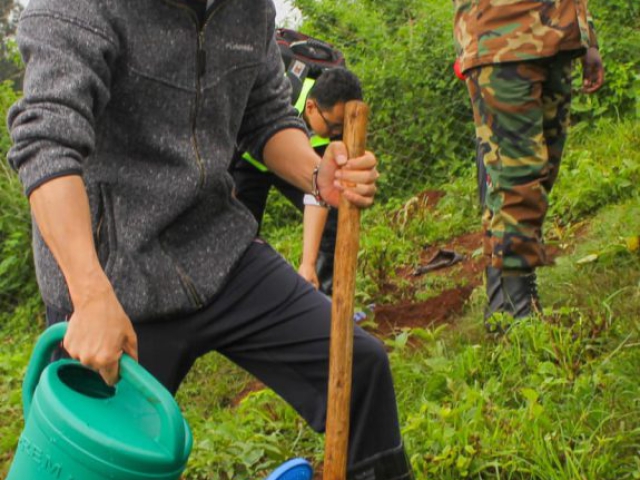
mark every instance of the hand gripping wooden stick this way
{"type": "Point", "coordinates": [344, 285]}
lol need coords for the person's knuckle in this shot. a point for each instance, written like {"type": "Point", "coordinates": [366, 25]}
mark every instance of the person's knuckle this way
{"type": "Point", "coordinates": [105, 360]}
{"type": "Point", "coordinates": [98, 362]}
{"type": "Point", "coordinates": [90, 362]}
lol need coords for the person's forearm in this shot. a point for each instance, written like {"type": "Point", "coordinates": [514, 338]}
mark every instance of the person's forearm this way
{"type": "Point", "coordinates": [99, 329]}
{"type": "Point", "coordinates": [290, 156]}
{"type": "Point", "coordinates": [315, 218]}
{"type": "Point", "coordinates": [61, 210]}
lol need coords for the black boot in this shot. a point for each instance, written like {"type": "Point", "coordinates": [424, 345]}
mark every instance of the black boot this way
{"type": "Point", "coordinates": [495, 301]}
{"type": "Point", "coordinates": [495, 298]}
{"type": "Point", "coordinates": [390, 465]}
{"type": "Point", "coordinates": [521, 295]}
{"type": "Point", "coordinates": [512, 294]}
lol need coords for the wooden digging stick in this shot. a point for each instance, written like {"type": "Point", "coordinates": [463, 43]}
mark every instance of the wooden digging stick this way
{"type": "Point", "coordinates": [344, 285]}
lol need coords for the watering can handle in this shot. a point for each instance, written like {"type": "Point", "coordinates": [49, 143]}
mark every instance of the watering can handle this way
{"type": "Point", "coordinates": [172, 435]}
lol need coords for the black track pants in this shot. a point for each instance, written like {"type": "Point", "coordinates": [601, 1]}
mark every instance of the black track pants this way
{"type": "Point", "coordinates": [271, 322]}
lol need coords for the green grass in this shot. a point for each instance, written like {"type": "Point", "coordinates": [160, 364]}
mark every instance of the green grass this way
{"type": "Point", "coordinates": [556, 398]}
{"type": "Point", "coordinates": [18, 329]}
{"type": "Point", "coordinates": [235, 441]}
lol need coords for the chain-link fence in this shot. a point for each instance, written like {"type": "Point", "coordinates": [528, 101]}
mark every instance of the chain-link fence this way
{"type": "Point", "coordinates": [421, 127]}
{"type": "Point", "coordinates": [433, 153]}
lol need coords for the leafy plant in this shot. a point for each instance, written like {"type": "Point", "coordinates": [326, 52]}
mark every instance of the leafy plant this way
{"type": "Point", "coordinates": [17, 281]}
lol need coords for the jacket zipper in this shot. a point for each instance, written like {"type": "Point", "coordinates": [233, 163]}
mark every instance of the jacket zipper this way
{"type": "Point", "coordinates": [99, 228]}
{"type": "Point", "coordinates": [194, 296]}
{"type": "Point", "coordinates": [201, 66]}
{"type": "Point", "coordinates": [185, 280]}
{"type": "Point", "coordinates": [201, 58]}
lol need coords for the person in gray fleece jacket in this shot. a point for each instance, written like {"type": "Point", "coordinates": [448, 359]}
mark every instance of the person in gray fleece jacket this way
{"type": "Point", "coordinates": [130, 115]}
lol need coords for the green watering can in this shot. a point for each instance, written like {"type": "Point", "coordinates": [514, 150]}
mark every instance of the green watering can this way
{"type": "Point", "coordinates": [79, 428]}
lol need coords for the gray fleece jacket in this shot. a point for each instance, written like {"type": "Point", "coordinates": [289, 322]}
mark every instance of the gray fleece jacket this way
{"type": "Point", "coordinates": [147, 106]}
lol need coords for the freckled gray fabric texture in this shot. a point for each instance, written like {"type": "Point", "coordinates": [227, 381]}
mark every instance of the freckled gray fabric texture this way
{"type": "Point", "coordinates": [118, 92]}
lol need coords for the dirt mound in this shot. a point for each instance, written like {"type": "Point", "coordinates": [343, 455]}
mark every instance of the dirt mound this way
{"type": "Point", "coordinates": [429, 313]}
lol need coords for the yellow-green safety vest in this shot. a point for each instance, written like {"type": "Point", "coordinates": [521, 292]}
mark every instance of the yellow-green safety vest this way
{"type": "Point", "coordinates": [315, 140]}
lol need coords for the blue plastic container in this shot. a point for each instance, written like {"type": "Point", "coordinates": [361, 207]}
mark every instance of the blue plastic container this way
{"type": "Point", "coordinates": [296, 469]}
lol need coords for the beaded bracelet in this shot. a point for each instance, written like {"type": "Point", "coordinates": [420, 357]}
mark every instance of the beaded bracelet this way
{"type": "Point", "coordinates": [315, 191]}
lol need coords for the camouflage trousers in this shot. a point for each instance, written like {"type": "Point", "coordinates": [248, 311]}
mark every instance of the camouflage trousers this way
{"type": "Point", "coordinates": [521, 114]}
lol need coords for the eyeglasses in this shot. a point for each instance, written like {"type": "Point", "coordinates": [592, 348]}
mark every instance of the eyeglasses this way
{"type": "Point", "coordinates": [334, 128]}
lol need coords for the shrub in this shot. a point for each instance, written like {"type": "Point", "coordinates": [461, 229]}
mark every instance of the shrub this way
{"type": "Point", "coordinates": [17, 282]}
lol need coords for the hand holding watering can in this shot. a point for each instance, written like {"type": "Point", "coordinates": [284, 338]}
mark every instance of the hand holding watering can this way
{"type": "Point", "coordinates": [79, 428]}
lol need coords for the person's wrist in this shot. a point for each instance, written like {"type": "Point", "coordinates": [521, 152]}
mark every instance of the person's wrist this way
{"type": "Point", "coordinates": [308, 263]}
{"type": "Point", "coordinates": [88, 287]}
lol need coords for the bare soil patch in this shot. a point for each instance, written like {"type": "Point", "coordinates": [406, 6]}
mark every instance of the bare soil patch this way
{"type": "Point", "coordinates": [443, 306]}
{"type": "Point", "coordinates": [447, 304]}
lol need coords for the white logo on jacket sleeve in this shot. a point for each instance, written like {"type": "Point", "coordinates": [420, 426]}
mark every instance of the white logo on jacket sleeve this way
{"type": "Point", "coordinates": [243, 47]}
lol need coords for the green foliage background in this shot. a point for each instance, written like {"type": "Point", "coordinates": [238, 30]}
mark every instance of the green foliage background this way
{"type": "Point", "coordinates": [554, 400]}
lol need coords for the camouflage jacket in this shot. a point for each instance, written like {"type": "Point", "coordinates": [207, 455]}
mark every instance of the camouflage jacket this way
{"type": "Point", "coordinates": [498, 31]}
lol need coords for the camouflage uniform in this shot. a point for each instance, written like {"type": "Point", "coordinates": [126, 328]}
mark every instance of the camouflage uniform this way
{"type": "Point", "coordinates": [517, 56]}
{"type": "Point", "coordinates": [491, 32]}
